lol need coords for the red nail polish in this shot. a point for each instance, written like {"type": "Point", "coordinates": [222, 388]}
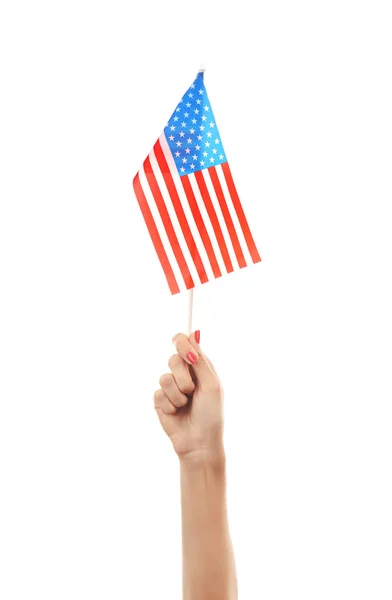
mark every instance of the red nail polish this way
{"type": "Point", "coordinates": [197, 336]}
{"type": "Point", "coordinates": [191, 357]}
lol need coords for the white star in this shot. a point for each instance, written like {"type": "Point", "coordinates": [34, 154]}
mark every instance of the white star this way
{"type": "Point", "coordinates": [207, 144]}
{"type": "Point", "coordinates": [178, 154]}
{"type": "Point", "coordinates": [194, 157]}
{"type": "Point", "coordinates": [182, 134]}
{"type": "Point", "coordinates": [172, 128]}
{"type": "Point", "coordinates": [204, 153]}
{"type": "Point", "coordinates": [201, 92]}
{"type": "Point", "coordinates": [197, 147]}
{"type": "Point", "coordinates": [199, 137]}
{"type": "Point", "coordinates": [196, 111]}
{"type": "Point", "coordinates": [206, 108]}
{"type": "Point", "coordinates": [204, 118]}
{"type": "Point", "coordinates": [187, 150]}
{"type": "Point", "coordinates": [184, 160]}
{"type": "Point", "coordinates": [202, 163]}
{"type": "Point", "coordinates": [194, 121]}
{"type": "Point", "coordinates": [215, 150]}
{"type": "Point", "coordinates": [216, 141]}
{"type": "Point", "coordinates": [179, 144]}
{"type": "Point", "coordinates": [186, 114]}
{"type": "Point", "coordinates": [193, 86]}
{"type": "Point", "coordinates": [192, 166]}
{"type": "Point", "coordinates": [178, 109]}
{"type": "Point", "coordinates": [175, 118]}
{"type": "Point", "coordinates": [209, 134]}
{"type": "Point", "coordinates": [212, 124]}
{"type": "Point", "coordinates": [183, 124]}
{"type": "Point", "coordinates": [221, 156]}
{"type": "Point", "coordinates": [212, 159]}
{"type": "Point", "coordinates": [188, 104]}
{"type": "Point", "coordinates": [171, 137]}
{"type": "Point", "coordinates": [190, 95]}
{"type": "Point", "coordinates": [182, 169]}
{"type": "Point", "coordinates": [192, 131]}
{"type": "Point", "coordinates": [189, 141]}
{"type": "Point", "coordinates": [202, 127]}
{"type": "Point", "coordinates": [198, 101]}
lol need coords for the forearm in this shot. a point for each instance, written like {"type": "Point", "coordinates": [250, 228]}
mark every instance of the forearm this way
{"type": "Point", "coordinates": [208, 559]}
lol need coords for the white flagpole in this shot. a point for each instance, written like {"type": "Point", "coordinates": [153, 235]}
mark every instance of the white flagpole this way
{"type": "Point", "coordinates": [190, 311]}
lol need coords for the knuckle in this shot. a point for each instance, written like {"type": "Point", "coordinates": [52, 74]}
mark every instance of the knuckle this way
{"type": "Point", "coordinates": [181, 401]}
{"type": "Point", "coordinates": [179, 339]}
{"type": "Point", "coordinates": [158, 394]}
{"type": "Point", "coordinates": [174, 361]}
{"type": "Point", "coordinates": [187, 387]}
{"type": "Point", "coordinates": [169, 409]}
{"type": "Point", "coordinates": [165, 380]}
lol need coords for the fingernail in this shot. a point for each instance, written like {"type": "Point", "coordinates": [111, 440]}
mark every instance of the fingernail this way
{"type": "Point", "coordinates": [197, 336]}
{"type": "Point", "coordinates": [191, 357]}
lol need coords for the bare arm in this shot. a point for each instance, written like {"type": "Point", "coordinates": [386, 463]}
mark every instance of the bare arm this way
{"type": "Point", "coordinates": [208, 559]}
{"type": "Point", "coordinates": [190, 409]}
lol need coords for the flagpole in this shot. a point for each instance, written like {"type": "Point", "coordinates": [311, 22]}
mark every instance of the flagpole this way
{"type": "Point", "coordinates": [190, 297]}
{"type": "Point", "coordinates": [190, 311]}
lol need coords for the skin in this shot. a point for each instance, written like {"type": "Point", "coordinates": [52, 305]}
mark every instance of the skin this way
{"type": "Point", "coordinates": [189, 405]}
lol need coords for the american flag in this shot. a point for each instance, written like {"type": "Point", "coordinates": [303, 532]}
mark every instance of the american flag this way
{"type": "Point", "coordinates": [189, 202]}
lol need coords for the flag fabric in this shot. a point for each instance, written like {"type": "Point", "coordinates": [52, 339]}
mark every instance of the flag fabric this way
{"type": "Point", "coordinates": [188, 199]}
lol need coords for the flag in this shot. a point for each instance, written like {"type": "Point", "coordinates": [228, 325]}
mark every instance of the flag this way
{"type": "Point", "coordinates": [188, 199]}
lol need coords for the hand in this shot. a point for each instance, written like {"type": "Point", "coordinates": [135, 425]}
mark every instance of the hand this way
{"type": "Point", "coordinates": [190, 402]}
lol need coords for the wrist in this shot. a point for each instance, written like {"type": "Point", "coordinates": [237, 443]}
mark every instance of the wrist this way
{"type": "Point", "coordinates": [212, 458]}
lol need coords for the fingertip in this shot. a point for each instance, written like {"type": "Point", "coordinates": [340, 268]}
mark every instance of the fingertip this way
{"type": "Point", "coordinates": [194, 338]}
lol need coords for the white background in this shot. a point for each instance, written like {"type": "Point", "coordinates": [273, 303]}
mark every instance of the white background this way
{"type": "Point", "coordinates": [89, 502]}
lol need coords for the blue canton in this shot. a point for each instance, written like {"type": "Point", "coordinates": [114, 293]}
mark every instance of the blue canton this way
{"type": "Point", "coordinates": [192, 133]}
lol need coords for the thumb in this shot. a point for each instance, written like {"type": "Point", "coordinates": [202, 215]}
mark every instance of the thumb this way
{"type": "Point", "coordinates": [203, 368]}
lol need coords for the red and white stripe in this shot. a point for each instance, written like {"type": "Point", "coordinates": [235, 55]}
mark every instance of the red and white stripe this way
{"type": "Point", "coordinates": [196, 222]}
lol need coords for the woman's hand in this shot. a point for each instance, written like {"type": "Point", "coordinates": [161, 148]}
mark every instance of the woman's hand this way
{"type": "Point", "coordinates": [190, 408]}
{"type": "Point", "coordinates": [190, 402]}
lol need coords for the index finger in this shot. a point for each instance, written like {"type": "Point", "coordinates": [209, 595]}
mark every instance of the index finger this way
{"type": "Point", "coordinates": [185, 348]}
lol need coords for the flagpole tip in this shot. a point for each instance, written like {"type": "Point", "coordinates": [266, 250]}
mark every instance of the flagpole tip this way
{"type": "Point", "coordinates": [202, 67]}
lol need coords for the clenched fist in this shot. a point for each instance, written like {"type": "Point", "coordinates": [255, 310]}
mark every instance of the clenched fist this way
{"type": "Point", "coordinates": [190, 402]}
